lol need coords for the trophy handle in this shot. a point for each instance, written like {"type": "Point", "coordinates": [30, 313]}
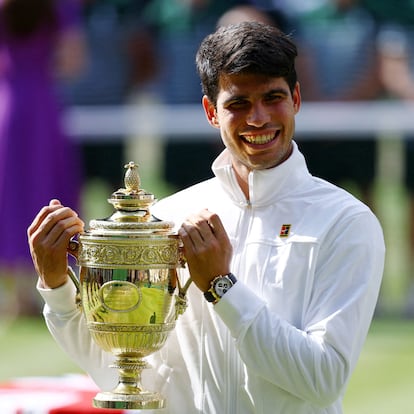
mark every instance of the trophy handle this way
{"type": "Point", "coordinates": [180, 299]}
{"type": "Point", "coordinates": [73, 249]}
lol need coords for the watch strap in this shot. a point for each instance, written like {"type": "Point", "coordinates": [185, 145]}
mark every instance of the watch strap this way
{"type": "Point", "coordinates": [232, 278]}
{"type": "Point", "coordinates": [211, 296]}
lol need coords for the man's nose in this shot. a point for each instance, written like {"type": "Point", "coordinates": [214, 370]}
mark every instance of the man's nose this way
{"type": "Point", "coordinates": [258, 115]}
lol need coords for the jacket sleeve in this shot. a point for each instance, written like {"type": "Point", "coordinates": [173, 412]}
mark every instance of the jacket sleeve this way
{"type": "Point", "coordinates": [68, 327]}
{"type": "Point", "coordinates": [314, 360]}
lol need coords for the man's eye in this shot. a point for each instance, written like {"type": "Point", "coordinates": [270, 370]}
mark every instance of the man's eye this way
{"type": "Point", "coordinates": [238, 104]}
{"type": "Point", "coordinates": [274, 98]}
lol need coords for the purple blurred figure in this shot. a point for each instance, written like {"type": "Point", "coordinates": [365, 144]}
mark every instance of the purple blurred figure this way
{"type": "Point", "coordinates": [39, 42]}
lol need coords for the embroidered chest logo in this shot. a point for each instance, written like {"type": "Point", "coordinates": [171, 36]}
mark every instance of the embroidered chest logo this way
{"type": "Point", "coordinates": [285, 230]}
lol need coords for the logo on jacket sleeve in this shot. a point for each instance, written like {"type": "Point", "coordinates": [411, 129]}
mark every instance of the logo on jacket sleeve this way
{"type": "Point", "coordinates": [285, 230]}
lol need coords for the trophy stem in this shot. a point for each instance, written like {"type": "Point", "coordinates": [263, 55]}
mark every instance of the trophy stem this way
{"type": "Point", "coordinates": [129, 393]}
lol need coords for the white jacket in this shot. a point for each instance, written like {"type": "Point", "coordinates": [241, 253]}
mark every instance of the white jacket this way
{"type": "Point", "coordinates": [287, 336]}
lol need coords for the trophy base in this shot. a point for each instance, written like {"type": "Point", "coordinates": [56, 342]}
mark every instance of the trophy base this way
{"type": "Point", "coordinates": [142, 401]}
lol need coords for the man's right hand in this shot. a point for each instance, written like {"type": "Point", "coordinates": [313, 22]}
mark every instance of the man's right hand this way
{"type": "Point", "coordinates": [49, 236]}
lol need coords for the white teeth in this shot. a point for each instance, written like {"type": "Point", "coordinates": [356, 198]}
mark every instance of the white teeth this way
{"type": "Point", "coordinates": [259, 139]}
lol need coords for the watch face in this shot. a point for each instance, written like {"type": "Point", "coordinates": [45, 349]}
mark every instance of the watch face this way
{"type": "Point", "coordinates": [222, 285]}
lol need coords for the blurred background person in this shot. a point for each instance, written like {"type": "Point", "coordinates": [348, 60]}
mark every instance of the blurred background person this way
{"type": "Point", "coordinates": [396, 64]}
{"type": "Point", "coordinates": [290, 8]}
{"type": "Point", "coordinates": [117, 42]}
{"type": "Point", "coordinates": [340, 37]}
{"type": "Point", "coordinates": [264, 13]}
{"type": "Point", "coordinates": [244, 13]}
{"type": "Point", "coordinates": [39, 42]}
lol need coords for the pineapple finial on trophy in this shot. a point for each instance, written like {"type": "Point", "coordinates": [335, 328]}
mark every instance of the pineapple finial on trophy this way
{"type": "Point", "coordinates": [132, 180]}
{"type": "Point", "coordinates": [132, 198]}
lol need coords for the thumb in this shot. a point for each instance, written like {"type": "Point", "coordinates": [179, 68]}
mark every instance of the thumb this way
{"type": "Point", "coordinates": [54, 202]}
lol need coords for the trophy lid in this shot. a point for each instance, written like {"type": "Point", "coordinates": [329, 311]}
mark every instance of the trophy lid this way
{"type": "Point", "coordinates": [132, 210]}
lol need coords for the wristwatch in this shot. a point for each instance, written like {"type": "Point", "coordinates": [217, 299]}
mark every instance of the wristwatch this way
{"type": "Point", "coordinates": [219, 286]}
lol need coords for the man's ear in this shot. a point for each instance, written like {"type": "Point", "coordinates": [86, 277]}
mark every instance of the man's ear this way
{"type": "Point", "coordinates": [297, 100]}
{"type": "Point", "coordinates": [210, 111]}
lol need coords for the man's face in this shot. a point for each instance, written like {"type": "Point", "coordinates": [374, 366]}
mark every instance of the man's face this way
{"type": "Point", "coordinates": [256, 118]}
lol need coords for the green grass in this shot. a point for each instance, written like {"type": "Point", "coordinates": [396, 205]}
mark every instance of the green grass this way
{"type": "Point", "coordinates": [27, 349]}
{"type": "Point", "coordinates": [382, 382]}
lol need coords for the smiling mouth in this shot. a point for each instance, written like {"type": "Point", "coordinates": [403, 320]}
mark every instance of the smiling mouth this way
{"type": "Point", "coordinates": [260, 139]}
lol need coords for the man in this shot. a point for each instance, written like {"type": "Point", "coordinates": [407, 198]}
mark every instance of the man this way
{"type": "Point", "coordinates": [302, 259]}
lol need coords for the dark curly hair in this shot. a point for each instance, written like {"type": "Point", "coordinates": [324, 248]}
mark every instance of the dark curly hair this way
{"type": "Point", "coordinates": [248, 47]}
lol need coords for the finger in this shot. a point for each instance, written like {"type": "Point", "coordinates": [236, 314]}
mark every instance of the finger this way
{"type": "Point", "coordinates": [55, 217]}
{"type": "Point", "coordinates": [40, 217]}
{"type": "Point", "coordinates": [198, 229]}
{"type": "Point", "coordinates": [58, 219]}
{"type": "Point", "coordinates": [216, 225]}
{"type": "Point", "coordinates": [190, 235]}
{"type": "Point", "coordinates": [63, 231]}
{"type": "Point", "coordinates": [55, 202]}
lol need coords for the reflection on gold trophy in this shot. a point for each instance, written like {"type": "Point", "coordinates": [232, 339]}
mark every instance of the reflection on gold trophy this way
{"type": "Point", "coordinates": [129, 289]}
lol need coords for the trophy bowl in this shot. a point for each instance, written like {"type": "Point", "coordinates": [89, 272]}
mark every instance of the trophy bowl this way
{"type": "Point", "coordinates": [129, 289]}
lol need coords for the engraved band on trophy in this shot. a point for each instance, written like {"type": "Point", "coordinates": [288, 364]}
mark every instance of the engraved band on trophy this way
{"type": "Point", "coordinates": [129, 289]}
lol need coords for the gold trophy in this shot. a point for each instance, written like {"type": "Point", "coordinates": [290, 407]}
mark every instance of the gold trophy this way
{"type": "Point", "coordinates": [129, 289]}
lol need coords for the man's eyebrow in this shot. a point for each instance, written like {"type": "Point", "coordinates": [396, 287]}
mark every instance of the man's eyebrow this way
{"type": "Point", "coordinates": [233, 98]}
{"type": "Point", "coordinates": [274, 91]}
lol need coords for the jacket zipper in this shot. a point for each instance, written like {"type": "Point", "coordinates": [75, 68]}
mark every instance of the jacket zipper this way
{"type": "Point", "coordinates": [234, 368]}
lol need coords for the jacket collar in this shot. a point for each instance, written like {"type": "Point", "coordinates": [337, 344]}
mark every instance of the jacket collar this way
{"type": "Point", "coordinates": [265, 186]}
